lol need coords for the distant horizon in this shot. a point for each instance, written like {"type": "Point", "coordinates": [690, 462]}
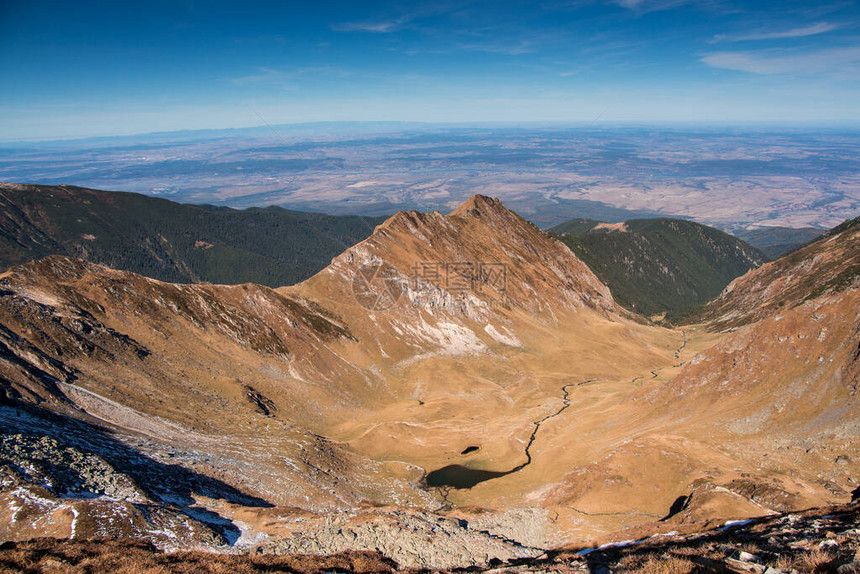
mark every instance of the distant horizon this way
{"type": "Point", "coordinates": [808, 125]}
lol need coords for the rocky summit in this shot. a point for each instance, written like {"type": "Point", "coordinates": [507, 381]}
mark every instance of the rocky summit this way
{"type": "Point", "coordinates": [454, 391]}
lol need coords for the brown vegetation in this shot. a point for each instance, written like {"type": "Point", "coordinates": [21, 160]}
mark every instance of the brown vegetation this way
{"type": "Point", "coordinates": [96, 556]}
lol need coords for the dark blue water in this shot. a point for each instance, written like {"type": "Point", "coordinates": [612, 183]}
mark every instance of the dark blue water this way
{"type": "Point", "coordinates": [459, 476]}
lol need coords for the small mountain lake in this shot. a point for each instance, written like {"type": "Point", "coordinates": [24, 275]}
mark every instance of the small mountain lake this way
{"type": "Point", "coordinates": [459, 476]}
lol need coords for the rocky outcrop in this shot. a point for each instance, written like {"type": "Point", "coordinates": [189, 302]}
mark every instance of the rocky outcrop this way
{"type": "Point", "coordinates": [814, 541]}
{"type": "Point", "coordinates": [51, 488]}
{"type": "Point", "coordinates": [62, 469]}
{"type": "Point", "coordinates": [413, 539]}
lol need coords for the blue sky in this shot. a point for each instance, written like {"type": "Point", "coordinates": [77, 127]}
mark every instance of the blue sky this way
{"type": "Point", "coordinates": [75, 69]}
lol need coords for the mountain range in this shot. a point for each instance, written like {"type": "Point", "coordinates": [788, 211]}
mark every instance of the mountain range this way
{"type": "Point", "coordinates": [171, 241]}
{"type": "Point", "coordinates": [659, 266]}
{"type": "Point", "coordinates": [775, 242]}
{"type": "Point", "coordinates": [454, 390]}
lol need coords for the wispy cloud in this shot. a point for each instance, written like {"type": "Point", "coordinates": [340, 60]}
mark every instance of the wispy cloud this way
{"type": "Point", "coordinates": [515, 48]}
{"type": "Point", "coordinates": [721, 7]}
{"type": "Point", "coordinates": [373, 26]}
{"type": "Point", "coordinates": [284, 78]}
{"type": "Point", "coordinates": [643, 6]}
{"type": "Point", "coordinates": [801, 32]}
{"type": "Point", "coordinates": [512, 48]}
{"type": "Point", "coordinates": [261, 75]}
{"type": "Point", "coordinates": [398, 19]}
{"type": "Point", "coordinates": [835, 60]}
{"type": "Point", "coordinates": [505, 35]}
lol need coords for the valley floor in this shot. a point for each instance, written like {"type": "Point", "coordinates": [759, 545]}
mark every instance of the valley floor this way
{"type": "Point", "coordinates": [444, 431]}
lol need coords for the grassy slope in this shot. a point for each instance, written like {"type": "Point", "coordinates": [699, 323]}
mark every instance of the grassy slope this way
{"type": "Point", "coordinates": [830, 263]}
{"type": "Point", "coordinates": [660, 265]}
{"type": "Point", "coordinates": [170, 241]}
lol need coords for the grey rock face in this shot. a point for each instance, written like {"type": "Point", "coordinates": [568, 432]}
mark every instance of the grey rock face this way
{"type": "Point", "coordinates": [412, 539]}
{"type": "Point", "coordinates": [64, 470]}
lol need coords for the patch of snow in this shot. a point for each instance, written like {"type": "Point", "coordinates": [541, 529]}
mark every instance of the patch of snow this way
{"type": "Point", "coordinates": [26, 496]}
{"type": "Point", "coordinates": [733, 523]}
{"type": "Point", "coordinates": [248, 536]}
{"type": "Point", "coordinates": [505, 338]}
{"type": "Point", "coordinates": [672, 533]}
{"type": "Point", "coordinates": [211, 518]}
{"type": "Point", "coordinates": [74, 521]}
{"type": "Point", "coordinates": [621, 544]}
{"type": "Point", "coordinates": [451, 338]}
{"type": "Point", "coordinates": [366, 183]}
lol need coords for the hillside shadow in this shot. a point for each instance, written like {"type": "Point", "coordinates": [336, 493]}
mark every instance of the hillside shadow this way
{"type": "Point", "coordinates": [170, 484]}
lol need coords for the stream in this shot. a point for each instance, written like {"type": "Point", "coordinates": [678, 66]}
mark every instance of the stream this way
{"type": "Point", "coordinates": [459, 476]}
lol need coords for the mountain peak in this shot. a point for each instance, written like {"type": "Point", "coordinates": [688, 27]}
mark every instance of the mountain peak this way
{"type": "Point", "coordinates": [478, 205]}
{"type": "Point", "coordinates": [477, 256]}
{"type": "Point", "coordinates": [489, 210]}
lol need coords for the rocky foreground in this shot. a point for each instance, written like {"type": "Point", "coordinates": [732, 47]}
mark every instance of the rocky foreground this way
{"type": "Point", "coordinates": [817, 540]}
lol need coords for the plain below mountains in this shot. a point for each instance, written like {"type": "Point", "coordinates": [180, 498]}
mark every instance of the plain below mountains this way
{"type": "Point", "coordinates": [656, 266]}
{"type": "Point", "coordinates": [171, 241]}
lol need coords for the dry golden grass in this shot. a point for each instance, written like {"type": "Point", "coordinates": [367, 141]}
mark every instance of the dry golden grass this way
{"type": "Point", "coordinates": [656, 564]}
{"type": "Point", "coordinates": [814, 561]}
{"type": "Point", "coordinates": [51, 556]}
